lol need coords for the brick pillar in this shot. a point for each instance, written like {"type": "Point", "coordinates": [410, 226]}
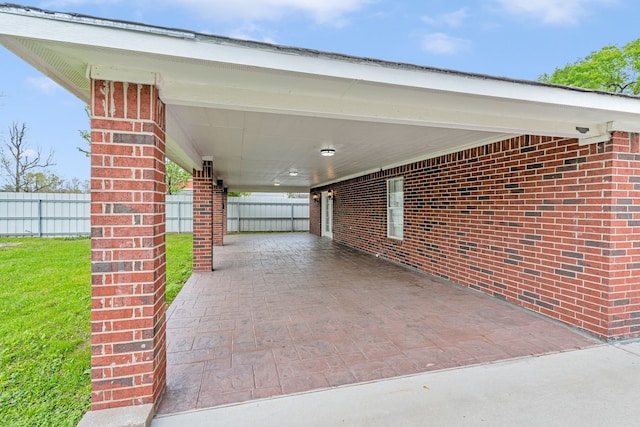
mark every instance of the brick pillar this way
{"type": "Point", "coordinates": [621, 251]}
{"type": "Point", "coordinates": [203, 218]}
{"type": "Point", "coordinates": [224, 215]}
{"type": "Point", "coordinates": [315, 226]}
{"type": "Point", "coordinates": [128, 357]}
{"type": "Point", "coordinates": [219, 214]}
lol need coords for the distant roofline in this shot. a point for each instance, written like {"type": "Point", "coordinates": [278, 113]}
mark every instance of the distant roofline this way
{"type": "Point", "coordinates": [312, 53]}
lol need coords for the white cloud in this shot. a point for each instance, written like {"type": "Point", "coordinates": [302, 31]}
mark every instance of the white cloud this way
{"type": "Point", "coordinates": [253, 32]}
{"type": "Point", "coordinates": [552, 11]}
{"type": "Point", "coordinates": [330, 12]}
{"type": "Point", "coordinates": [444, 44]}
{"type": "Point", "coordinates": [454, 19]}
{"type": "Point", "coordinates": [44, 85]}
{"type": "Point", "coordinates": [63, 4]}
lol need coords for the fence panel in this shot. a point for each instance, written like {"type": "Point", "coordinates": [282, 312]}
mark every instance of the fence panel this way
{"type": "Point", "coordinates": [267, 214]}
{"type": "Point", "coordinates": [61, 214]}
{"type": "Point", "coordinates": [179, 211]}
{"type": "Point", "coordinates": [44, 214]}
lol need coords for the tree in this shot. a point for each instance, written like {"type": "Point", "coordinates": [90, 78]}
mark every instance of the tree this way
{"type": "Point", "coordinates": [77, 186]}
{"type": "Point", "coordinates": [238, 194]}
{"type": "Point", "coordinates": [611, 69]}
{"type": "Point", "coordinates": [86, 135]}
{"type": "Point", "coordinates": [176, 178]}
{"type": "Point", "coordinates": [47, 182]}
{"type": "Point", "coordinates": [17, 160]}
{"type": "Point", "coordinates": [42, 182]}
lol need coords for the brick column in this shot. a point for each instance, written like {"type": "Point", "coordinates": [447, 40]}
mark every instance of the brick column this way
{"type": "Point", "coordinates": [128, 363]}
{"type": "Point", "coordinates": [315, 213]}
{"type": "Point", "coordinates": [219, 214]}
{"type": "Point", "coordinates": [203, 218]}
{"type": "Point", "coordinates": [621, 242]}
{"type": "Point", "coordinates": [224, 214]}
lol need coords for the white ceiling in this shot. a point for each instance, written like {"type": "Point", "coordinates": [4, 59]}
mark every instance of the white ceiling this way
{"type": "Point", "coordinates": [260, 111]}
{"type": "Point", "coordinates": [253, 148]}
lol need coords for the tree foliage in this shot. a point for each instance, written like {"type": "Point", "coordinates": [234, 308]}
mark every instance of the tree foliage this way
{"type": "Point", "coordinates": [18, 162]}
{"type": "Point", "coordinates": [85, 135]}
{"type": "Point", "coordinates": [297, 195]}
{"type": "Point", "coordinates": [48, 182]}
{"type": "Point", "coordinates": [610, 69]}
{"type": "Point", "coordinates": [42, 182]}
{"type": "Point", "coordinates": [176, 178]}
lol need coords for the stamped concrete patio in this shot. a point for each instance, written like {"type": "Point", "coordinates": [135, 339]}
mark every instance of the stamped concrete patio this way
{"type": "Point", "coordinates": [287, 313]}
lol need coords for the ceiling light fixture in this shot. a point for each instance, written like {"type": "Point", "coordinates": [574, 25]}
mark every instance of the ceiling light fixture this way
{"type": "Point", "coordinates": [293, 173]}
{"type": "Point", "coordinates": [327, 152]}
{"type": "Point", "coordinates": [277, 183]}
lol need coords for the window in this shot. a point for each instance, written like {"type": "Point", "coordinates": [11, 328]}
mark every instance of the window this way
{"type": "Point", "coordinates": [395, 208]}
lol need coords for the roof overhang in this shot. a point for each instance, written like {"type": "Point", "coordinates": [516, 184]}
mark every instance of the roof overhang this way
{"type": "Point", "coordinates": [261, 111]}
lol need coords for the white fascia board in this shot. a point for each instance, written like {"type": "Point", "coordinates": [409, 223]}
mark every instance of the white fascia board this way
{"type": "Point", "coordinates": [620, 126]}
{"type": "Point", "coordinates": [101, 72]}
{"type": "Point", "coordinates": [376, 72]}
{"type": "Point", "coordinates": [70, 29]}
{"type": "Point", "coordinates": [353, 109]}
{"type": "Point", "coordinates": [604, 131]}
{"type": "Point", "coordinates": [145, 39]}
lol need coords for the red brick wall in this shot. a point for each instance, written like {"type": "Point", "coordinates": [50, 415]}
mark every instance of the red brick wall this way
{"type": "Point", "coordinates": [541, 222]}
{"type": "Point", "coordinates": [127, 245]}
{"type": "Point", "coordinates": [203, 219]}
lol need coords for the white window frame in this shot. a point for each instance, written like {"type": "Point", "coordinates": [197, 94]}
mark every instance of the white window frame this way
{"type": "Point", "coordinates": [395, 198]}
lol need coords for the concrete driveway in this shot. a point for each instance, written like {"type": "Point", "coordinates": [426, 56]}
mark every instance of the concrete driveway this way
{"type": "Point", "coordinates": [592, 387]}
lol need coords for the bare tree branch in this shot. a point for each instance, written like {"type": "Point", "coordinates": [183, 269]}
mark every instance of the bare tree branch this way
{"type": "Point", "coordinates": [21, 160]}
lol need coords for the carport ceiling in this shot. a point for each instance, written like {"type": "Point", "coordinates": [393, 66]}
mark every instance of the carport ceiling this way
{"type": "Point", "coordinates": [261, 111]}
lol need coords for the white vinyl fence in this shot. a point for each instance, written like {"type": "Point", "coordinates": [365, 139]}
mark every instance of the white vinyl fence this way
{"type": "Point", "coordinates": [179, 211]}
{"type": "Point", "coordinates": [44, 215]}
{"type": "Point", "coordinates": [60, 214]}
{"type": "Point", "coordinates": [267, 214]}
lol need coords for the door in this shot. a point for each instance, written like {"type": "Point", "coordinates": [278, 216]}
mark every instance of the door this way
{"type": "Point", "coordinates": [327, 215]}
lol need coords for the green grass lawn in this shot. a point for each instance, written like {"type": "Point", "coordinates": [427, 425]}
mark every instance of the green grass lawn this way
{"type": "Point", "coordinates": [44, 326]}
{"type": "Point", "coordinates": [179, 260]}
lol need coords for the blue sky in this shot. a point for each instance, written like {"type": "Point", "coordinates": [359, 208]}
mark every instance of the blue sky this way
{"type": "Point", "coordinates": [514, 38]}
